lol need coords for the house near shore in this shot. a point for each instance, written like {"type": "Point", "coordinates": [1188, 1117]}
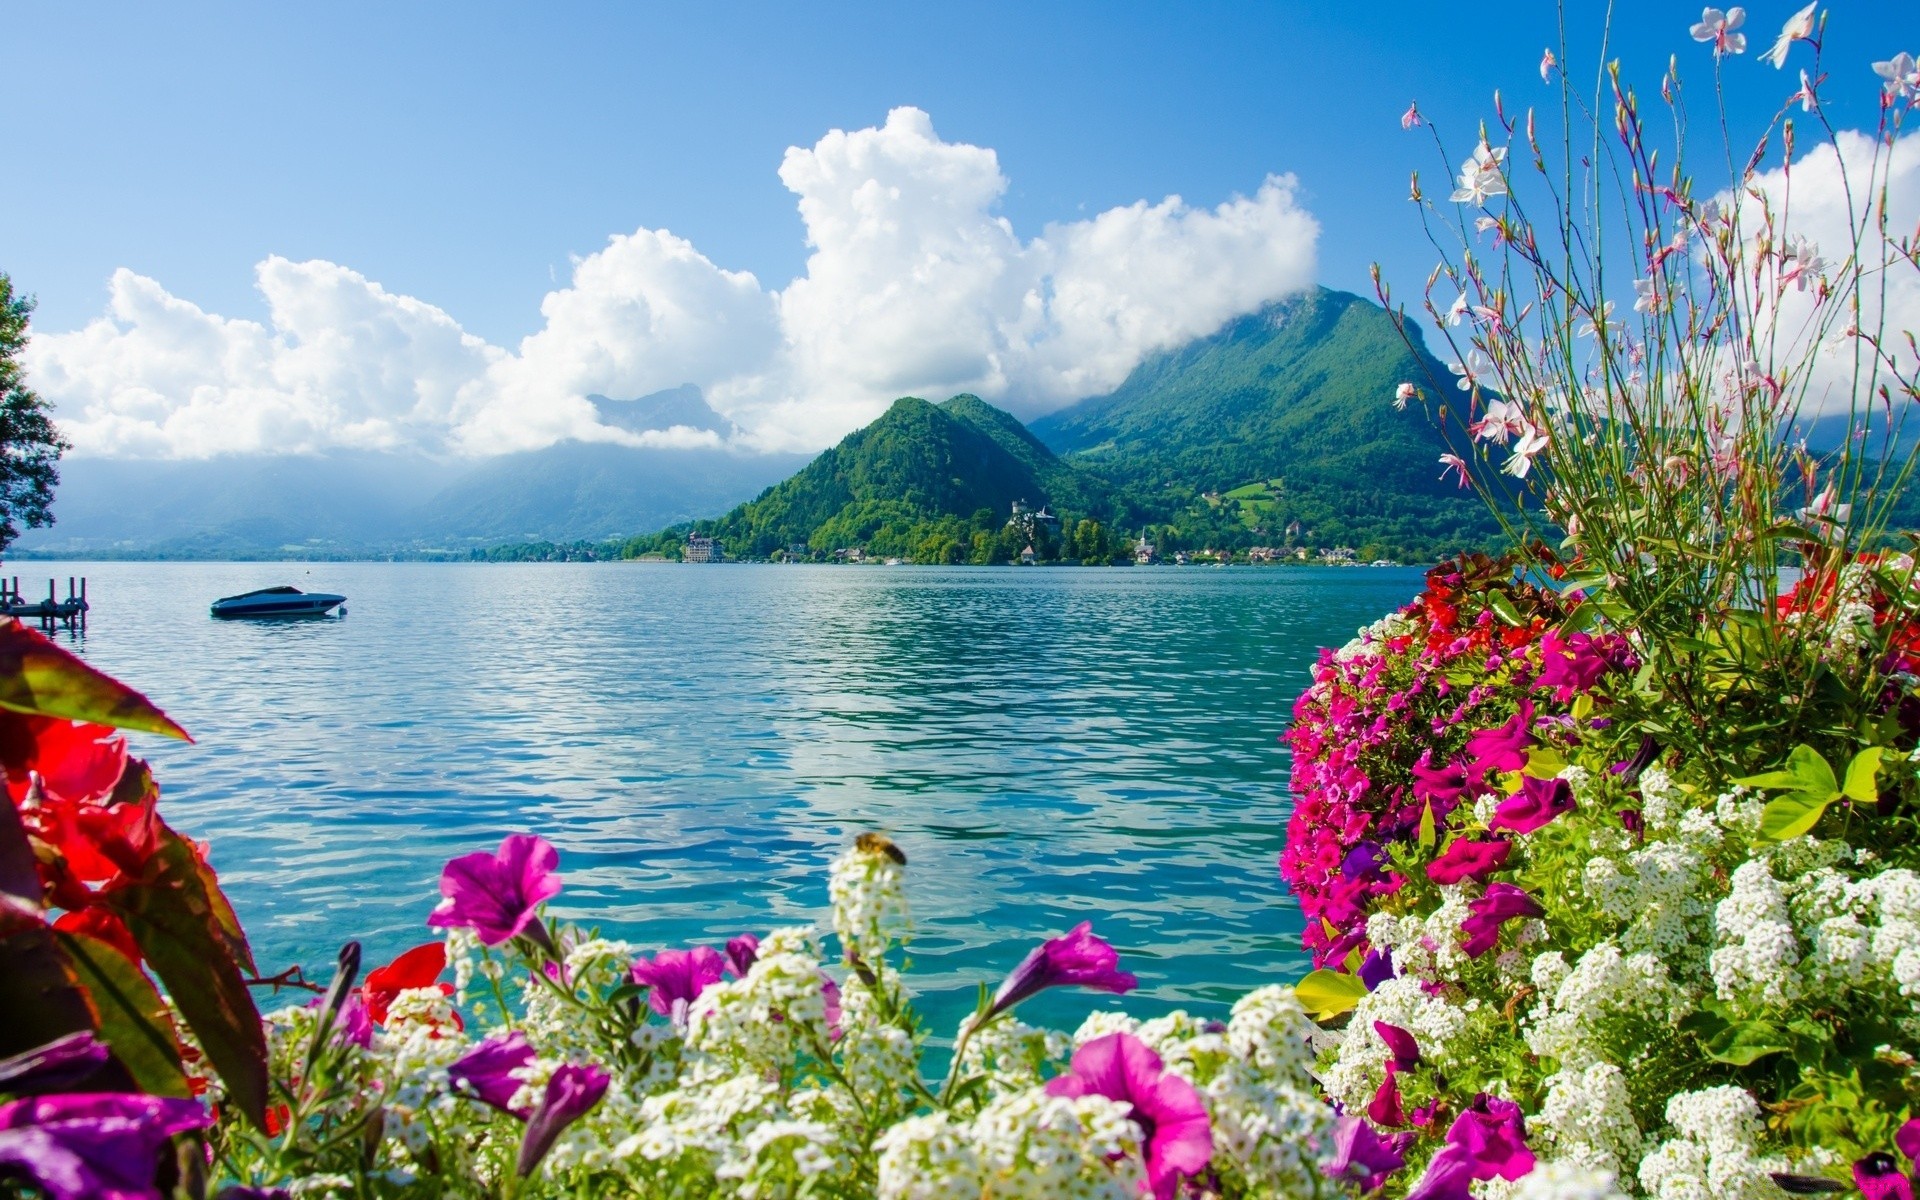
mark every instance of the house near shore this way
{"type": "Point", "coordinates": [702, 550]}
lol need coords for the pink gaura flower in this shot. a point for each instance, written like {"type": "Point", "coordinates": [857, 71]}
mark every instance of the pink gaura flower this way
{"type": "Point", "coordinates": [1547, 64]}
{"type": "Point", "coordinates": [1537, 803]}
{"type": "Point", "coordinates": [1410, 118]}
{"type": "Point", "coordinates": [1798, 28]}
{"type": "Point", "coordinates": [1718, 27]}
{"type": "Point", "coordinates": [1456, 466]}
{"type": "Point", "coordinates": [1465, 859]}
{"type": "Point", "coordinates": [496, 895]}
{"type": "Point", "coordinates": [1175, 1135]}
{"type": "Point", "coordinates": [1075, 959]}
{"type": "Point", "coordinates": [1502, 902]}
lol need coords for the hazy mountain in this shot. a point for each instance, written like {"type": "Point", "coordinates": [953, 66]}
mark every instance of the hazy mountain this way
{"type": "Point", "coordinates": [346, 504]}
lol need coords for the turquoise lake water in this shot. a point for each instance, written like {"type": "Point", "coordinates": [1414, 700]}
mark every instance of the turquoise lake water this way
{"type": "Point", "coordinates": [1047, 746]}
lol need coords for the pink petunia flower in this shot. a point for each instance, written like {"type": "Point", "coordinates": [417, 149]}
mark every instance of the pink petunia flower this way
{"type": "Point", "coordinates": [1075, 959]}
{"type": "Point", "coordinates": [1364, 1157]}
{"type": "Point", "coordinates": [1537, 803]}
{"type": "Point", "coordinates": [1501, 903]}
{"type": "Point", "coordinates": [1503, 748]}
{"type": "Point", "coordinates": [496, 895]}
{"type": "Point", "coordinates": [1176, 1136]}
{"type": "Point", "coordinates": [674, 979]}
{"type": "Point", "coordinates": [1465, 859]}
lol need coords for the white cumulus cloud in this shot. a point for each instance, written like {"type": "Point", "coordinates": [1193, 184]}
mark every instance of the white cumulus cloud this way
{"type": "Point", "coordinates": [915, 285]}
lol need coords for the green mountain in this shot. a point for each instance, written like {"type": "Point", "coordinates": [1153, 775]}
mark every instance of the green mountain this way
{"type": "Point", "coordinates": [920, 482]}
{"type": "Point", "coordinates": [1295, 398]}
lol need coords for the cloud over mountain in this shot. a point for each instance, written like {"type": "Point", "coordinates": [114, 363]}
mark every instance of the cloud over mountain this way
{"type": "Point", "coordinates": [914, 284]}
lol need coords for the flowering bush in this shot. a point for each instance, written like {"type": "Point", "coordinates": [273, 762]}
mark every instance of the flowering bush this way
{"type": "Point", "coordinates": [1608, 853]}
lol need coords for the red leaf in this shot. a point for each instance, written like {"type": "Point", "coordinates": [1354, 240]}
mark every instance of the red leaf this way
{"type": "Point", "coordinates": [37, 676]}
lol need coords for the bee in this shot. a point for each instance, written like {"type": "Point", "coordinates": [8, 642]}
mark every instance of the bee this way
{"type": "Point", "coordinates": [880, 843]}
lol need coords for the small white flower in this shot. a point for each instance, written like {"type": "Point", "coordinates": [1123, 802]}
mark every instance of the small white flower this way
{"type": "Point", "coordinates": [1799, 27]}
{"type": "Point", "coordinates": [1902, 78]}
{"type": "Point", "coordinates": [1589, 325]}
{"type": "Point", "coordinates": [1808, 101]}
{"type": "Point", "coordinates": [1531, 443]}
{"type": "Point", "coordinates": [1402, 394]}
{"type": "Point", "coordinates": [1411, 117]}
{"type": "Point", "coordinates": [1480, 177]}
{"type": "Point", "coordinates": [1547, 64]}
{"type": "Point", "coordinates": [1477, 364]}
{"type": "Point", "coordinates": [1718, 27]}
{"type": "Point", "coordinates": [1645, 299]}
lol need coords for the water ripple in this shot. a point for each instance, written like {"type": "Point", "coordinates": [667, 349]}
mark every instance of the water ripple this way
{"type": "Point", "coordinates": [1048, 746]}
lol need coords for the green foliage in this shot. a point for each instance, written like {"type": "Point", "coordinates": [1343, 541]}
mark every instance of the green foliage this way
{"type": "Point", "coordinates": [30, 446]}
{"type": "Point", "coordinates": [1297, 398]}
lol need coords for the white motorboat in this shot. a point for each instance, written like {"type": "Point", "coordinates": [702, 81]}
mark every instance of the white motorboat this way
{"type": "Point", "coordinates": [277, 602]}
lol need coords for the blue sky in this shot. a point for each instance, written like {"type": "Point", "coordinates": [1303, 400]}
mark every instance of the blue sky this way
{"type": "Point", "coordinates": [463, 154]}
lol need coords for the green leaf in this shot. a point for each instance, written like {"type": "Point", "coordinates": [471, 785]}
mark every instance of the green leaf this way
{"type": "Point", "coordinates": [1743, 1043]}
{"type": "Point", "coordinates": [1544, 762]}
{"type": "Point", "coordinates": [177, 926]}
{"type": "Point", "coordinates": [1862, 774]}
{"type": "Point", "coordinates": [1325, 993]}
{"type": "Point", "coordinates": [1806, 771]}
{"type": "Point", "coordinates": [1791, 815]}
{"type": "Point", "coordinates": [1502, 606]}
{"type": "Point", "coordinates": [39, 677]}
{"type": "Point", "coordinates": [1428, 834]}
{"type": "Point", "coordinates": [133, 1019]}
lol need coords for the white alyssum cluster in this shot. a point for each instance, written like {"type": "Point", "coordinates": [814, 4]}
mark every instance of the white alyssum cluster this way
{"type": "Point", "coordinates": [1754, 963]}
{"type": "Point", "coordinates": [1587, 1119]}
{"type": "Point", "coordinates": [1371, 638]}
{"type": "Point", "coordinates": [1358, 1064]}
{"type": "Point", "coordinates": [868, 891]}
{"type": "Point", "coordinates": [1599, 1008]}
{"type": "Point", "coordinates": [1427, 946]}
{"type": "Point", "coordinates": [1658, 893]}
{"type": "Point", "coordinates": [1027, 1144]}
{"type": "Point", "coordinates": [1714, 1153]}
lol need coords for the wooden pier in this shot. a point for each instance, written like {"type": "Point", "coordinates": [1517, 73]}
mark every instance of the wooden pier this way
{"type": "Point", "coordinates": [70, 613]}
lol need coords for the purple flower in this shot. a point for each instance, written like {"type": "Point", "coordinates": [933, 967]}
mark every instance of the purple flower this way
{"type": "Point", "coordinates": [1376, 968]}
{"type": "Point", "coordinates": [244, 1192]}
{"type": "Point", "coordinates": [1076, 959]}
{"type": "Point", "coordinates": [1907, 1139]}
{"type": "Point", "coordinates": [1879, 1177]}
{"type": "Point", "coordinates": [1501, 749]}
{"type": "Point", "coordinates": [1362, 1156]}
{"type": "Point", "coordinates": [495, 895]}
{"type": "Point", "coordinates": [353, 1023]}
{"type": "Point", "coordinates": [675, 978]}
{"type": "Point", "coordinates": [830, 992]}
{"type": "Point", "coordinates": [1536, 803]}
{"type": "Point", "coordinates": [485, 1072]}
{"type": "Point", "coordinates": [1364, 859]}
{"type": "Point", "coordinates": [1466, 859]}
{"type": "Point", "coordinates": [742, 953]}
{"type": "Point", "coordinates": [93, 1145]}
{"type": "Point", "coordinates": [1176, 1137]}
{"type": "Point", "coordinates": [1493, 1137]}
{"type": "Point", "coordinates": [1400, 1043]}
{"type": "Point", "coordinates": [571, 1093]}
{"type": "Point", "coordinates": [1501, 903]}
{"type": "Point", "coordinates": [1448, 1174]}
{"type": "Point", "coordinates": [54, 1067]}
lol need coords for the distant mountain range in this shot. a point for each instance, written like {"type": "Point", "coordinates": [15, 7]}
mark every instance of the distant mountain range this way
{"type": "Point", "coordinates": [1278, 429]}
{"type": "Point", "coordinates": [350, 505]}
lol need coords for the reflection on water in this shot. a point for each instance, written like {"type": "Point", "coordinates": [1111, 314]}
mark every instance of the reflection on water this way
{"type": "Point", "coordinates": [1047, 745]}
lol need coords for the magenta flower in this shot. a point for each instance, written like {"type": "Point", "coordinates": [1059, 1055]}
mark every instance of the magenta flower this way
{"type": "Point", "coordinates": [675, 978]}
{"type": "Point", "coordinates": [571, 1093]}
{"type": "Point", "coordinates": [1175, 1135]}
{"type": "Point", "coordinates": [1400, 1043]}
{"type": "Point", "coordinates": [1076, 959]}
{"type": "Point", "coordinates": [54, 1067]}
{"type": "Point", "coordinates": [485, 1073]}
{"type": "Point", "coordinates": [1538, 802]}
{"type": "Point", "coordinates": [1466, 859]}
{"type": "Point", "coordinates": [1501, 749]}
{"type": "Point", "coordinates": [1385, 1107]}
{"type": "Point", "coordinates": [1362, 1156]}
{"type": "Point", "coordinates": [93, 1145]}
{"type": "Point", "coordinates": [1448, 1175]}
{"type": "Point", "coordinates": [1442, 784]}
{"type": "Point", "coordinates": [742, 953]}
{"type": "Point", "coordinates": [1879, 1177]}
{"type": "Point", "coordinates": [830, 992]}
{"type": "Point", "coordinates": [1501, 903]}
{"type": "Point", "coordinates": [495, 895]}
{"type": "Point", "coordinates": [1493, 1137]}
{"type": "Point", "coordinates": [353, 1023]}
{"type": "Point", "coordinates": [1907, 1140]}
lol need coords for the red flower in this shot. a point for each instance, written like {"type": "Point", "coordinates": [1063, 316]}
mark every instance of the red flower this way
{"type": "Point", "coordinates": [419, 967]}
{"type": "Point", "coordinates": [101, 923]}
